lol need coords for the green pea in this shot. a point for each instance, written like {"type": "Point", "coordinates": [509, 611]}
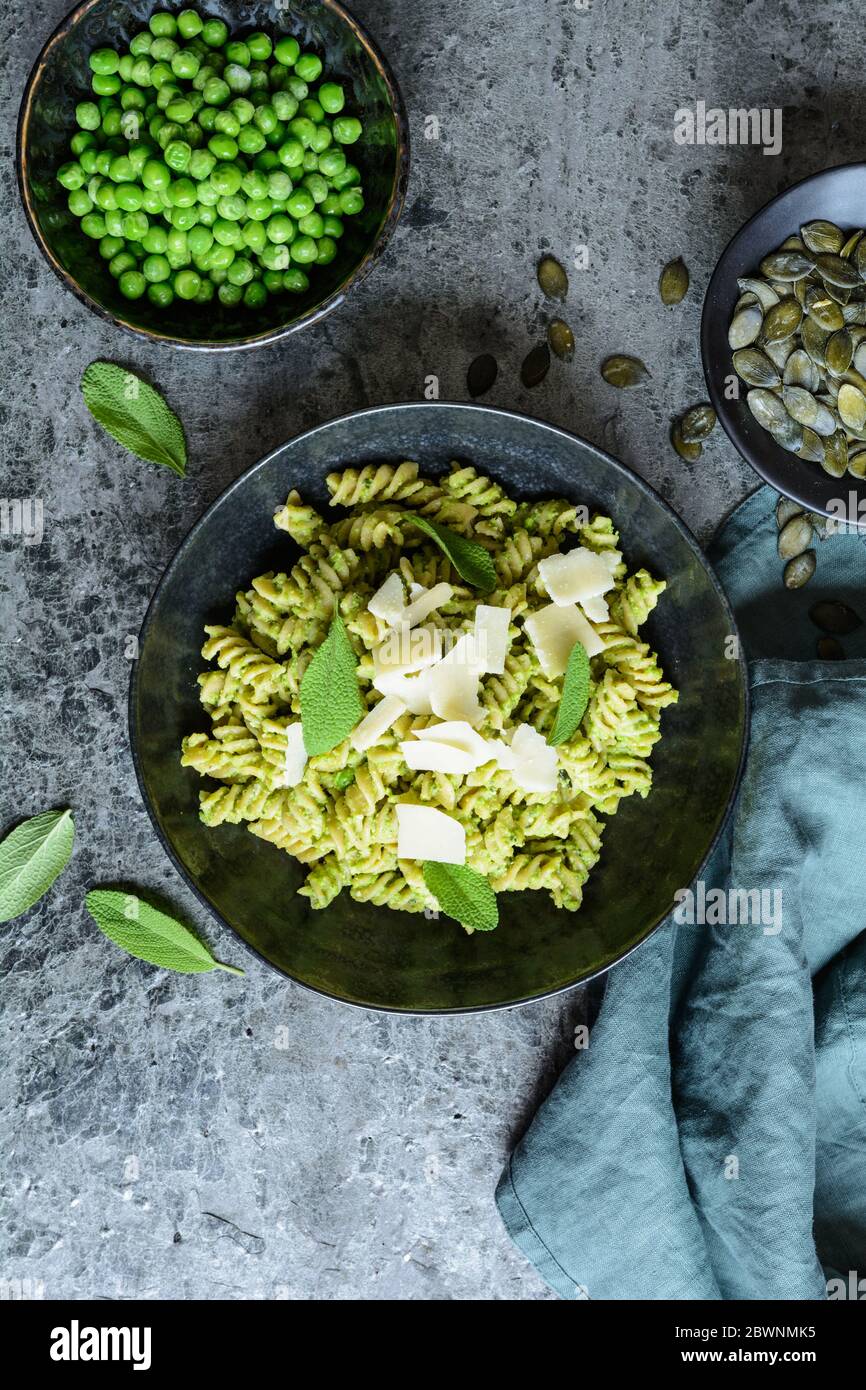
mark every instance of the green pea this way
{"type": "Point", "coordinates": [332, 97]}
{"type": "Point", "coordinates": [259, 209]}
{"type": "Point", "coordinates": [327, 250]}
{"type": "Point", "coordinates": [214, 32]}
{"type": "Point", "coordinates": [285, 105]}
{"type": "Point", "coordinates": [223, 146]}
{"type": "Point", "coordinates": [207, 117]}
{"type": "Point", "coordinates": [303, 129]}
{"type": "Point", "coordinates": [162, 24]}
{"type": "Point", "coordinates": [225, 232]}
{"type": "Point", "coordinates": [71, 175]}
{"type": "Point", "coordinates": [176, 243]}
{"type": "Point", "coordinates": [242, 110]}
{"type": "Point", "coordinates": [227, 123]}
{"type": "Point", "coordinates": [275, 257]}
{"type": "Point", "coordinates": [308, 67]}
{"type": "Point", "coordinates": [155, 268]}
{"type": "Point", "coordinates": [184, 217]}
{"type": "Point", "coordinates": [193, 135]}
{"type": "Point", "coordinates": [216, 92]}
{"type": "Point", "coordinates": [79, 203]}
{"type": "Point", "coordinates": [312, 225]}
{"type": "Point", "coordinates": [286, 51]}
{"type": "Point", "coordinates": [88, 115]}
{"type": "Point", "coordinates": [321, 140]}
{"type": "Point", "coordinates": [255, 184]}
{"type": "Point", "coordinates": [230, 295]}
{"type": "Point", "coordinates": [177, 155]}
{"type": "Point", "coordinates": [220, 257]}
{"type": "Point", "coordinates": [189, 24]}
{"type": "Point", "coordinates": [278, 184]}
{"type": "Point", "coordinates": [273, 281]}
{"type": "Point", "coordinates": [160, 75]}
{"type": "Point", "coordinates": [317, 187]}
{"type": "Point", "coordinates": [295, 281]}
{"type": "Point", "coordinates": [155, 242]}
{"type": "Point", "coordinates": [238, 78]}
{"type": "Point", "coordinates": [88, 160]}
{"type": "Point", "coordinates": [240, 271]}
{"type": "Point", "coordinates": [185, 64]}
{"type": "Point", "coordinates": [199, 240]}
{"type": "Point", "coordinates": [141, 70]}
{"type": "Point", "coordinates": [332, 162]}
{"type": "Point", "coordinates": [304, 250]}
{"type": "Point", "coordinates": [132, 284]}
{"type": "Point", "coordinates": [333, 227]}
{"type": "Point", "coordinates": [135, 226]}
{"type": "Point", "coordinates": [187, 284]}
{"type": "Point", "coordinates": [151, 201]}
{"type": "Point", "coordinates": [123, 261]}
{"type": "Point", "coordinates": [103, 162]}
{"type": "Point", "coordinates": [161, 294]}
{"type": "Point", "coordinates": [346, 129]}
{"type": "Point", "coordinates": [93, 225]}
{"type": "Point", "coordinates": [125, 66]}
{"type": "Point", "coordinates": [133, 99]}
{"type": "Point", "coordinates": [170, 131]}
{"type": "Point", "coordinates": [255, 295]}
{"type": "Point", "coordinates": [179, 110]}
{"type": "Point", "coordinates": [104, 60]}
{"type": "Point", "coordinates": [266, 119]}
{"type": "Point", "coordinates": [140, 44]}
{"type": "Point", "coordinates": [112, 123]}
{"type": "Point", "coordinates": [129, 196]}
{"type": "Point", "coordinates": [291, 154]}
{"type": "Point", "coordinates": [168, 92]}
{"type": "Point", "coordinates": [183, 193]}
{"type": "Point", "coordinates": [232, 207]}
{"type": "Point", "coordinates": [254, 236]}
{"type": "Point", "coordinates": [226, 178]}
{"type": "Point", "coordinates": [114, 222]}
{"type": "Point", "coordinates": [260, 47]}
{"type": "Point", "coordinates": [266, 161]}
{"type": "Point", "coordinates": [298, 89]}
{"type": "Point", "coordinates": [82, 140]}
{"type": "Point", "coordinates": [351, 202]}
{"type": "Point", "coordinates": [300, 203]}
{"type": "Point", "coordinates": [279, 229]}
{"type": "Point", "coordinates": [110, 246]}
{"type": "Point", "coordinates": [163, 50]}
{"type": "Point", "coordinates": [350, 175]}
{"type": "Point", "coordinates": [206, 292]}
{"type": "Point", "coordinates": [201, 165]}
{"type": "Point", "coordinates": [251, 140]}
{"type": "Point", "coordinates": [105, 84]}
{"type": "Point", "coordinates": [312, 110]}
{"type": "Point", "coordinates": [208, 195]}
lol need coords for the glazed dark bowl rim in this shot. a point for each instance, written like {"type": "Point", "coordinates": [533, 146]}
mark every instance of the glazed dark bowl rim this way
{"type": "Point", "coordinates": [409, 406]}
{"type": "Point", "coordinates": [272, 335]}
{"type": "Point", "coordinates": [784, 477]}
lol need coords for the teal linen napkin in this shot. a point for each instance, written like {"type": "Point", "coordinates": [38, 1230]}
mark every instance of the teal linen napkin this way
{"type": "Point", "coordinates": [710, 1141]}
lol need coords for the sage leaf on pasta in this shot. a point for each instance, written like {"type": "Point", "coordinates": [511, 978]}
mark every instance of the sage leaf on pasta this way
{"type": "Point", "coordinates": [463, 894]}
{"type": "Point", "coordinates": [471, 561]}
{"type": "Point", "coordinates": [574, 697]}
{"type": "Point", "coordinates": [331, 703]}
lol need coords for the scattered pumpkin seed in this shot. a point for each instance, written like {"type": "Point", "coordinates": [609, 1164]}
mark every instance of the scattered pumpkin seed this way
{"type": "Point", "coordinates": [786, 508]}
{"type": "Point", "coordinates": [799, 570]}
{"type": "Point", "coordinates": [535, 365]}
{"type": "Point", "coordinates": [795, 537]}
{"type": "Point", "coordinates": [830, 615]}
{"type": "Point", "coordinates": [828, 649]}
{"type": "Point", "coordinates": [481, 374]}
{"type": "Point", "coordinates": [674, 282]}
{"type": "Point", "coordinates": [697, 424]}
{"type": "Point", "coordinates": [691, 452]}
{"type": "Point", "coordinates": [561, 339]}
{"type": "Point", "coordinates": [620, 370]}
{"type": "Point", "coordinates": [552, 278]}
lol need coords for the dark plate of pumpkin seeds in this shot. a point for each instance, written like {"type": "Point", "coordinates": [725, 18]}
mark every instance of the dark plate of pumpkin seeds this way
{"type": "Point", "coordinates": [783, 340]}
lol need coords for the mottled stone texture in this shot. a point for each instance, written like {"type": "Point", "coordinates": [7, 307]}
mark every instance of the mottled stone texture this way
{"type": "Point", "coordinates": [211, 1137]}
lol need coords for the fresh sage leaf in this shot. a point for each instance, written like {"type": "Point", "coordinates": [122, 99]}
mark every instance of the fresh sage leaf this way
{"type": "Point", "coordinates": [135, 415]}
{"type": "Point", "coordinates": [471, 561]}
{"type": "Point", "coordinates": [331, 703]}
{"type": "Point", "coordinates": [574, 697]}
{"type": "Point", "coordinates": [462, 894]}
{"type": "Point", "coordinates": [151, 935]}
{"type": "Point", "coordinates": [31, 857]}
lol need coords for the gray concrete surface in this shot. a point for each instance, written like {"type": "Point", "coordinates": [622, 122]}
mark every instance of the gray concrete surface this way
{"type": "Point", "coordinates": [166, 1136]}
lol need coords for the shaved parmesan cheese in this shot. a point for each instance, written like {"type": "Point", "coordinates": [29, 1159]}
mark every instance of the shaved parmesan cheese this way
{"type": "Point", "coordinates": [575, 576]}
{"type": "Point", "coordinates": [405, 650]}
{"type": "Point", "coordinates": [413, 690]}
{"type": "Point", "coordinates": [427, 756]}
{"type": "Point", "coordinates": [296, 755]}
{"type": "Point", "coordinates": [491, 637]}
{"type": "Point", "coordinates": [377, 722]}
{"type": "Point", "coordinates": [460, 735]}
{"type": "Point", "coordinates": [595, 608]}
{"type": "Point", "coordinates": [387, 602]}
{"type": "Point", "coordinates": [533, 761]}
{"type": "Point", "coordinates": [454, 683]}
{"type": "Point", "coordinates": [425, 833]}
{"type": "Point", "coordinates": [416, 590]}
{"type": "Point", "coordinates": [425, 603]}
{"type": "Point", "coordinates": [553, 632]}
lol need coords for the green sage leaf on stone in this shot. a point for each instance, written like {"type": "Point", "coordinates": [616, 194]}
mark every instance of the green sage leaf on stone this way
{"type": "Point", "coordinates": [462, 894]}
{"type": "Point", "coordinates": [151, 935]}
{"type": "Point", "coordinates": [31, 857]}
{"type": "Point", "coordinates": [135, 415]}
{"type": "Point", "coordinates": [471, 561]}
{"type": "Point", "coordinates": [574, 697]}
{"type": "Point", "coordinates": [331, 703]}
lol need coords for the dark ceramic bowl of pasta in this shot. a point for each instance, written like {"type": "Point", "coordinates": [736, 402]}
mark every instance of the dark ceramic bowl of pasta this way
{"type": "Point", "coordinates": [373, 956]}
{"type": "Point", "coordinates": [61, 78]}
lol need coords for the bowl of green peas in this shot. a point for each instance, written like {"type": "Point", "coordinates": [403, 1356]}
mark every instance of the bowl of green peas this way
{"type": "Point", "coordinates": [207, 183]}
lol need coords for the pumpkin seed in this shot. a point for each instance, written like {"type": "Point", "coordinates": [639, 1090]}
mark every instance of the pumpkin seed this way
{"type": "Point", "coordinates": [860, 358]}
{"type": "Point", "coordinates": [620, 370]}
{"type": "Point", "coordinates": [835, 460]}
{"type": "Point", "coordinates": [756, 369]}
{"type": "Point", "coordinates": [839, 351]}
{"type": "Point", "coordinates": [745, 326]}
{"type": "Point", "coordinates": [800, 404]}
{"type": "Point", "coordinates": [799, 570]}
{"type": "Point", "coordinates": [795, 537]}
{"type": "Point", "coordinates": [825, 422]}
{"type": "Point", "coordinates": [561, 339]}
{"type": "Point", "coordinates": [828, 649]}
{"type": "Point", "coordinates": [535, 366]}
{"type": "Point", "coordinates": [851, 405]}
{"type": "Point", "coordinates": [781, 321]}
{"type": "Point", "coordinates": [859, 257]}
{"type": "Point", "coordinates": [812, 447]}
{"type": "Point", "coordinates": [779, 353]}
{"type": "Point", "coordinates": [788, 434]}
{"type": "Point", "coordinates": [793, 243]}
{"type": "Point", "coordinates": [824, 310]}
{"type": "Point", "coordinates": [767, 409]}
{"type": "Point", "coordinates": [674, 282]}
{"type": "Point", "coordinates": [787, 265]}
{"type": "Point", "coordinates": [800, 370]}
{"type": "Point", "coordinates": [697, 424]}
{"type": "Point", "coordinates": [552, 278]}
{"type": "Point", "coordinates": [834, 270]}
{"type": "Point", "coordinates": [814, 339]}
{"type": "Point", "coordinates": [481, 374]}
{"type": "Point", "coordinates": [690, 452]}
{"type": "Point", "coordinates": [857, 463]}
{"type": "Point", "coordinates": [850, 246]}
{"type": "Point", "coordinates": [786, 508]}
{"type": "Point", "coordinates": [764, 293]}
{"type": "Point", "coordinates": [821, 236]}
{"type": "Point", "coordinates": [830, 615]}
